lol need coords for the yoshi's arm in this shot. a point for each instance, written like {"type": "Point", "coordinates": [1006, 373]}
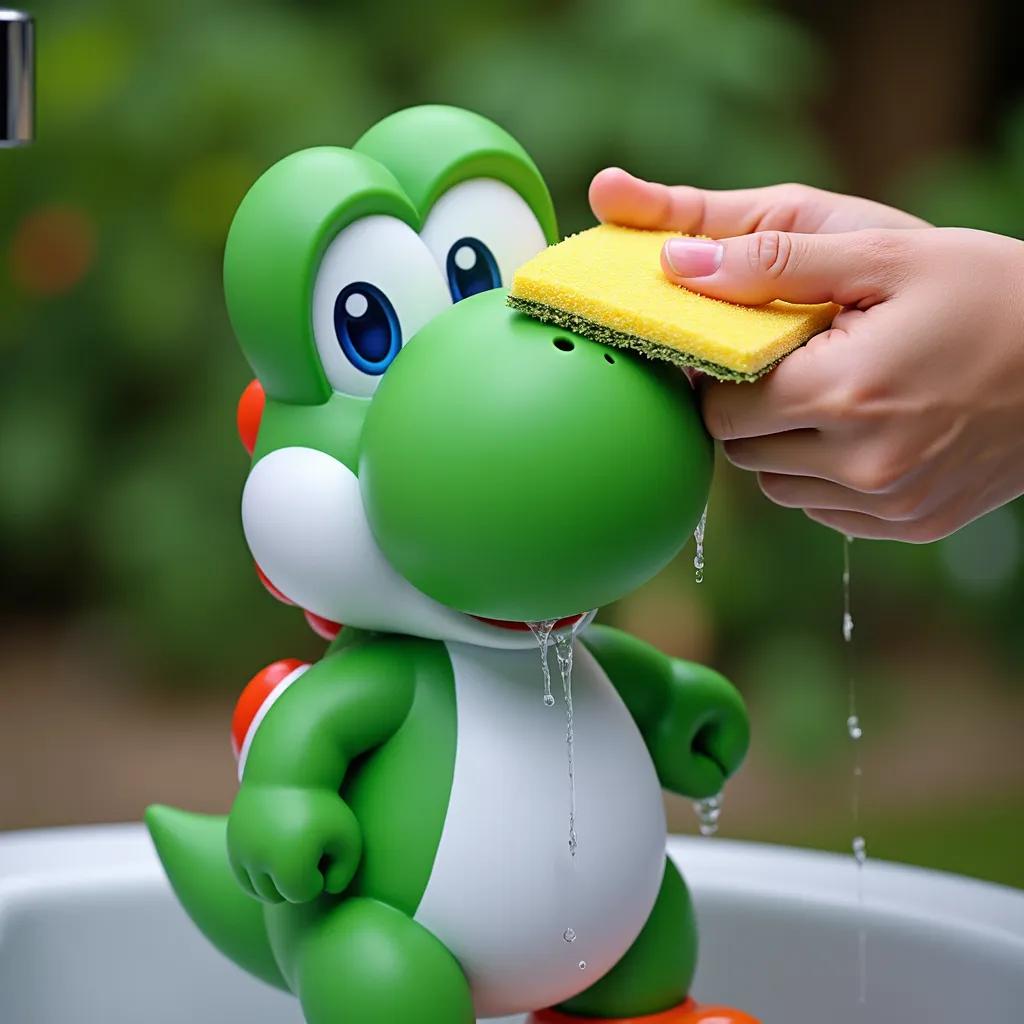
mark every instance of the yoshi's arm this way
{"type": "Point", "coordinates": [290, 834]}
{"type": "Point", "coordinates": [692, 719]}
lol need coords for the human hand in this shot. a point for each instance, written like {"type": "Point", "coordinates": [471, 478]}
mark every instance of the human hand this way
{"type": "Point", "coordinates": [906, 419]}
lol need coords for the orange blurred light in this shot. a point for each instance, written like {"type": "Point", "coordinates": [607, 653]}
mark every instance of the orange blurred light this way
{"type": "Point", "coordinates": [52, 249]}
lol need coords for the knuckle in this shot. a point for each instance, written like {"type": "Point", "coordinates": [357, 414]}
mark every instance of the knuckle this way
{"type": "Point", "coordinates": [887, 252]}
{"type": "Point", "coordinates": [770, 253]}
{"type": "Point", "coordinates": [873, 475]}
{"type": "Point", "coordinates": [857, 397]}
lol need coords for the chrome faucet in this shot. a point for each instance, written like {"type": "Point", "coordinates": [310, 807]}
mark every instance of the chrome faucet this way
{"type": "Point", "coordinates": [17, 78]}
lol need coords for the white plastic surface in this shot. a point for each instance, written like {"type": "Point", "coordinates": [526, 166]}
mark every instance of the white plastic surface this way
{"type": "Point", "coordinates": [90, 934]}
{"type": "Point", "coordinates": [490, 211]}
{"type": "Point", "coordinates": [389, 255]}
{"type": "Point", "coordinates": [305, 524]}
{"type": "Point", "coordinates": [502, 905]}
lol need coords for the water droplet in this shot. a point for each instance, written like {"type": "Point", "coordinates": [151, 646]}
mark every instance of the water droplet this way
{"type": "Point", "coordinates": [698, 556]}
{"type": "Point", "coordinates": [542, 631]}
{"type": "Point", "coordinates": [855, 732]}
{"type": "Point", "coordinates": [860, 850]}
{"type": "Point", "coordinates": [569, 935]}
{"type": "Point", "coordinates": [708, 810]}
{"type": "Point", "coordinates": [847, 626]}
{"type": "Point", "coordinates": [583, 965]}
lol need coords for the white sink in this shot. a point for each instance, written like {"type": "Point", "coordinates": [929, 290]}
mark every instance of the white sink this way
{"type": "Point", "coordinates": [90, 934]}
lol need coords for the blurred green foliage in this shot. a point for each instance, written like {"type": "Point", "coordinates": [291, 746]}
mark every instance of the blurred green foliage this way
{"type": "Point", "coordinates": [980, 189]}
{"type": "Point", "coordinates": [121, 469]}
{"type": "Point", "coordinates": [122, 473]}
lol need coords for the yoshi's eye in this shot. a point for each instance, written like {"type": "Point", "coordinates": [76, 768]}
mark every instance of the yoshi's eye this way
{"type": "Point", "coordinates": [367, 327]}
{"type": "Point", "coordinates": [471, 268]}
{"type": "Point", "coordinates": [376, 287]}
{"type": "Point", "coordinates": [480, 231]}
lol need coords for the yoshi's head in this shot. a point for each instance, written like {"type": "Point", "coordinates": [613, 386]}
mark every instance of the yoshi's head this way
{"type": "Point", "coordinates": [425, 459]}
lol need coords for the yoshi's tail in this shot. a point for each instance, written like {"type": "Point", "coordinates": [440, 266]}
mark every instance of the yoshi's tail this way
{"type": "Point", "coordinates": [193, 850]}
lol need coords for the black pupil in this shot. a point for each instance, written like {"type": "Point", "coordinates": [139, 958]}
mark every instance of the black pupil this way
{"type": "Point", "coordinates": [471, 269]}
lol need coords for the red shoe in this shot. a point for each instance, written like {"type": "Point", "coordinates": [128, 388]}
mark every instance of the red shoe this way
{"type": "Point", "coordinates": [687, 1012]}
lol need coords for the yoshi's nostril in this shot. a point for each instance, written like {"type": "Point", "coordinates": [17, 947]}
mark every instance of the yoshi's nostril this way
{"type": "Point", "coordinates": [608, 358]}
{"type": "Point", "coordinates": [563, 344]}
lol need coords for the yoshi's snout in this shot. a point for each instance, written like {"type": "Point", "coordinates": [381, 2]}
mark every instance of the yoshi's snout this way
{"type": "Point", "coordinates": [518, 471]}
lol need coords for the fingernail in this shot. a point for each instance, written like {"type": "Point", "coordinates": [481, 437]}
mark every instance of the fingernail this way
{"type": "Point", "coordinates": [693, 257]}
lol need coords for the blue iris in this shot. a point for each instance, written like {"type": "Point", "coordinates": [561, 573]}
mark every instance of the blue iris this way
{"type": "Point", "coordinates": [367, 328]}
{"type": "Point", "coordinates": [471, 268]}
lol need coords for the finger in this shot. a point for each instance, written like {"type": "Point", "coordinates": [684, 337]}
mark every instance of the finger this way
{"type": "Point", "coordinates": [857, 524]}
{"type": "Point", "coordinates": [338, 872]}
{"type": "Point", "coordinates": [795, 453]}
{"type": "Point", "coordinates": [300, 882]}
{"type": "Point", "coordinates": [618, 197]}
{"type": "Point", "coordinates": [339, 862]}
{"type": "Point", "coordinates": [901, 506]}
{"type": "Point", "coordinates": [264, 887]}
{"type": "Point", "coordinates": [789, 398]}
{"type": "Point", "coordinates": [242, 877]}
{"type": "Point", "coordinates": [858, 268]}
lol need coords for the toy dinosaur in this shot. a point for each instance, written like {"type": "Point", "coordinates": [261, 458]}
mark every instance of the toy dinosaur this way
{"type": "Point", "coordinates": [398, 849]}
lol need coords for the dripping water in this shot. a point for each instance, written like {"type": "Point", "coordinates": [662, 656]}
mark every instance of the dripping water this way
{"type": "Point", "coordinates": [563, 644]}
{"type": "Point", "coordinates": [708, 811]}
{"type": "Point", "coordinates": [698, 556]}
{"type": "Point", "coordinates": [855, 731]}
{"type": "Point", "coordinates": [542, 631]}
{"type": "Point", "coordinates": [563, 653]}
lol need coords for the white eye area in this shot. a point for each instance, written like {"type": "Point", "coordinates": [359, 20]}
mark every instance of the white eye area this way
{"type": "Point", "coordinates": [465, 257]}
{"type": "Point", "coordinates": [480, 231]}
{"type": "Point", "coordinates": [377, 285]}
{"type": "Point", "coordinates": [356, 305]}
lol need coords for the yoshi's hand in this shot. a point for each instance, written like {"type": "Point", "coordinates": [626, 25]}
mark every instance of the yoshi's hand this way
{"type": "Point", "coordinates": [291, 843]}
{"type": "Point", "coordinates": [702, 736]}
{"type": "Point", "coordinates": [692, 719]}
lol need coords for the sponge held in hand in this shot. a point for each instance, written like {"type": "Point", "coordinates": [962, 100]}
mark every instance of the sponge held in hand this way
{"type": "Point", "coordinates": [606, 284]}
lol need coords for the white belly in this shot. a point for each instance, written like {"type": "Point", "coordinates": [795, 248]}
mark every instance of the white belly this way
{"type": "Point", "coordinates": [504, 887]}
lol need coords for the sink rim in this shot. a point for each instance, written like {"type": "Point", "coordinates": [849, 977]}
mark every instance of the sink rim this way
{"type": "Point", "coordinates": [40, 863]}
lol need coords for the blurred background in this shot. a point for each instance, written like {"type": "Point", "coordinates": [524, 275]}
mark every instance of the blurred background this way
{"type": "Point", "coordinates": [130, 617]}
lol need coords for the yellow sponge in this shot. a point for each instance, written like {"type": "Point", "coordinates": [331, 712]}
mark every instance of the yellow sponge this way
{"type": "Point", "coordinates": [607, 284]}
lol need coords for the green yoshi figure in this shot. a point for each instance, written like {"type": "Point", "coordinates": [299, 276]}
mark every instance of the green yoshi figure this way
{"type": "Point", "coordinates": [438, 472]}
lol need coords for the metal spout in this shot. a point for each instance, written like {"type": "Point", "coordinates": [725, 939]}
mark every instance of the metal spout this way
{"type": "Point", "coordinates": [17, 78]}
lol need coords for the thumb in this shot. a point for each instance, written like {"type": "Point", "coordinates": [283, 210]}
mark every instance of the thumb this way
{"type": "Point", "coordinates": [856, 268]}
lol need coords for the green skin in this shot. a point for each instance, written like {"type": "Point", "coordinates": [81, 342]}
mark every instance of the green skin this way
{"type": "Point", "coordinates": [310, 891]}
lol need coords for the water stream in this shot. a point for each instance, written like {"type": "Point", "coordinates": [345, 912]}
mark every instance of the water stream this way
{"type": "Point", "coordinates": [542, 631]}
{"type": "Point", "coordinates": [563, 653]}
{"type": "Point", "coordinates": [855, 731]}
{"type": "Point", "coordinates": [708, 811]}
{"type": "Point", "coordinates": [563, 642]}
{"type": "Point", "coordinates": [698, 555]}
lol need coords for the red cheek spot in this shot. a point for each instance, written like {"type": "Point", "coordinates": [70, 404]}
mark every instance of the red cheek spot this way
{"type": "Point", "coordinates": [249, 414]}
{"type": "Point", "coordinates": [323, 627]}
{"type": "Point", "coordinates": [274, 592]}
